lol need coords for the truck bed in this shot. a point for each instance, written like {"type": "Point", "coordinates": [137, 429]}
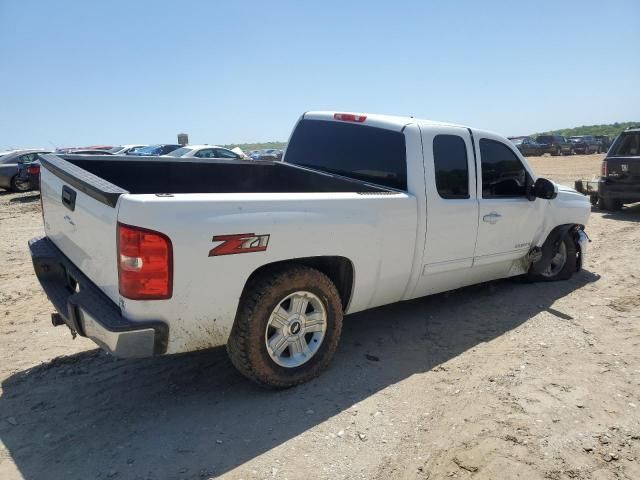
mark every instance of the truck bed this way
{"type": "Point", "coordinates": [155, 175]}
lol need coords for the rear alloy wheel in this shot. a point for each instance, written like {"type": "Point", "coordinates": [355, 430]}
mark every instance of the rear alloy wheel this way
{"type": "Point", "coordinates": [295, 329]}
{"type": "Point", "coordinates": [287, 327]}
{"type": "Point", "coordinates": [17, 186]}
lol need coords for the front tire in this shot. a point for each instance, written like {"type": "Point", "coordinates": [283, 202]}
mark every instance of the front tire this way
{"type": "Point", "coordinates": [563, 265]}
{"type": "Point", "coordinates": [287, 327]}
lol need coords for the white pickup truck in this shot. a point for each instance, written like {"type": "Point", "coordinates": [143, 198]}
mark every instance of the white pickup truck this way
{"type": "Point", "coordinates": [152, 256]}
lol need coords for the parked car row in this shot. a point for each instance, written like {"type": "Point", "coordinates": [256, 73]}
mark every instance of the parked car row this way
{"type": "Point", "coordinates": [558, 145]}
{"type": "Point", "coordinates": [20, 169]}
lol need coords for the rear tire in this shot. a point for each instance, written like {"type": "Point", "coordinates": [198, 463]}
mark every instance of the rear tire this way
{"type": "Point", "coordinates": [257, 327]}
{"type": "Point", "coordinates": [19, 186]}
{"type": "Point", "coordinates": [610, 204]}
{"type": "Point", "coordinates": [563, 265]}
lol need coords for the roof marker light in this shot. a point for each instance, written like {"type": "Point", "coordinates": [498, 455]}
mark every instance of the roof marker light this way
{"type": "Point", "coordinates": [349, 117]}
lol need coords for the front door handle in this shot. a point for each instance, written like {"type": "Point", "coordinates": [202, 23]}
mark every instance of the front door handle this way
{"type": "Point", "coordinates": [492, 217]}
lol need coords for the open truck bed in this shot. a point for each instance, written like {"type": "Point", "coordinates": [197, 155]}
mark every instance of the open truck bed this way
{"type": "Point", "coordinates": [107, 177]}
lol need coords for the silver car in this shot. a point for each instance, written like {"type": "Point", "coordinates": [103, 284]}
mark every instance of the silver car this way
{"type": "Point", "coordinates": [9, 162]}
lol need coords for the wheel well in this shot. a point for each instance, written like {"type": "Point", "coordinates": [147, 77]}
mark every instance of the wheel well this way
{"type": "Point", "coordinates": [561, 230]}
{"type": "Point", "coordinates": [338, 269]}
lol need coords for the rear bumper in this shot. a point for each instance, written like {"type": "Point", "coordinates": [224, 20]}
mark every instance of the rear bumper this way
{"type": "Point", "coordinates": [88, 311]}
{"type": "Point", "coordinates": [626, 192]}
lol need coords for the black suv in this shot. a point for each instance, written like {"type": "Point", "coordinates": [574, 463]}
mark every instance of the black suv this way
{"type": "Point", "coordinates": [605, 141]}
{"type": "Point", "coordinates": [555, 145]}
{"type": "Point", "coordinates": [620, 176]}
{"type": "Point", "coordinates": [585, 144]}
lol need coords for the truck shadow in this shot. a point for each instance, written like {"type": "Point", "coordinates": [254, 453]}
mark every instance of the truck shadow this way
{"type": "Point", "coordinates": [629, 213]}
{"type": "Point", "coordinates": [191, 416]}
{"type": "Point", "coordinates": [26, 199]}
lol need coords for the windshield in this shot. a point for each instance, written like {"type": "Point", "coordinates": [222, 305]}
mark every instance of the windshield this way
{"type": "Point", "coordinates": [115, 149]}
{"type": "Point", "coordinates": [627, 146]}
{"type": "Point", "coordinates": [575, 139]}
{"type": "Point", "coordinates": [544, 139]}
{"type": "Point", "coordinates": [516, 141]}
{"type": "Point", "coordinates": [180, 152]}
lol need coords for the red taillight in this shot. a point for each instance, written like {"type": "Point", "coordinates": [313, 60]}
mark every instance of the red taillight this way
{"type": "Point", "coordinates": [145, 264]}
{"type": "Point", "coordinates": [603, 169]}
{"type": "Point", "coordinates": [349, 117]}
{"type": "Point", "coordinates": [33, 169]}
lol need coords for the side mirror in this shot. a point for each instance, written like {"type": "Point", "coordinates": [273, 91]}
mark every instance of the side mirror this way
{"type": "Point", "coordinates": [545, 189]}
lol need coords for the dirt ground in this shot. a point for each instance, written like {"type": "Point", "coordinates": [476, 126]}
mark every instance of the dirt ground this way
{"type": "Point", "coordinates": [498, 381]}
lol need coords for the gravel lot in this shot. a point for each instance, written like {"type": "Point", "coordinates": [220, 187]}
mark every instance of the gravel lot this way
{"type": "Point", "coordinates": [497, 381]}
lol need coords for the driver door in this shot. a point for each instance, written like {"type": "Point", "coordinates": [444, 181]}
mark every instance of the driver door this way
{"type": "Point", "coordinates": [507, 221]}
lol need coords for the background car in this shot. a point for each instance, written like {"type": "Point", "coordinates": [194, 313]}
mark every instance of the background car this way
{"type": "Point", "coordinates": [205, 151]}
{"type": "Point", "coordinates": [88, 151]}
{"type": "Point", "coordinates": [155, 150]}
{"type": "Point", "coordinates": [605, 141]}
{"type": "Point", "coordinates": [527, 146]}
{"type": "Point", "coordinates": [585, 144]}
{"type": "Point", "coordinates": [620, 172]}
{"type": "Point", "coordinates": [125, 149]}
{"type": "Point", "coordinates": [555, 145]}
{"type": "Point", "coordinates": [28, 176]}
{"type": "Point", "coordinates": [9, 167]}
{"type": "Point", "coordinates": [269, 154]}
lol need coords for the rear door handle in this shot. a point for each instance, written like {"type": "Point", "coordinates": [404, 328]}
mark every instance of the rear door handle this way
{"type": "Point", "coordinates": [492, 217]}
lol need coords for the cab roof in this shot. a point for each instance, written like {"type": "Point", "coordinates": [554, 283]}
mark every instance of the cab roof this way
{"type": "Point", "coordinates": [390, 122]}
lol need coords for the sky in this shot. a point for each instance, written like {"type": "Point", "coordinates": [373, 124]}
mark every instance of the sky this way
{"type": "Point", "coordinates": [76, 73]}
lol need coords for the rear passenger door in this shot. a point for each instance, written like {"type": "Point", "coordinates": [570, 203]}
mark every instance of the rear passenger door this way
{"type": "Point", "coordinates": [508, 221]}
{"type": "Point", "coordinates": [452, 206]}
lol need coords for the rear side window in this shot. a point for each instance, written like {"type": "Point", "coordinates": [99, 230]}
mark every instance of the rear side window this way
{"type": "Point", "coordinates": [627, 145]}
{"type": "Point", "coordinates": [223, 153]}
{"type": "Point", "coordinates": [365, 153]}
{"type": "Point", "coordinates": [503, 175]}
{"type": "Point", "coordinates": [451, 167]}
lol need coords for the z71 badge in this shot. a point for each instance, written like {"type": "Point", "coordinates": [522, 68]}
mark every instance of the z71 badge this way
{"type": "Point", "coordinates": [239, 243]}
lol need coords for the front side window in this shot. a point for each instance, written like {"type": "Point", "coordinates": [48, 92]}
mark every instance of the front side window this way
{"type": "Point", "coordinates": [503, 174]}
{"type": "Point", "coordinates": [451, 167]}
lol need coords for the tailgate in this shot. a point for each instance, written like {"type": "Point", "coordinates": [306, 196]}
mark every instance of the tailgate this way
{"type": "Point", "coordinates": [80, 218]}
